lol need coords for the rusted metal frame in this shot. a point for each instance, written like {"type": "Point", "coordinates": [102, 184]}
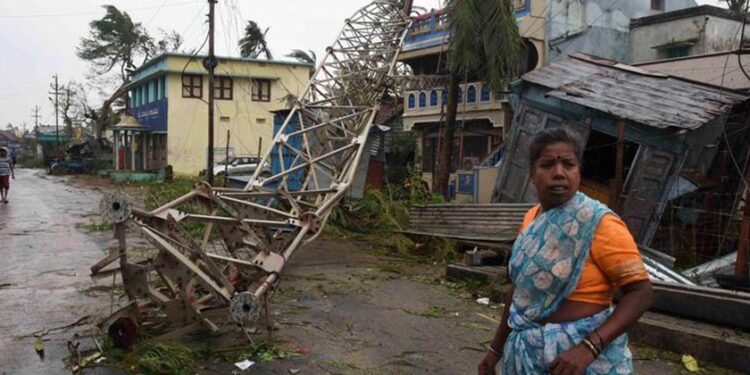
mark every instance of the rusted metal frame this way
{"type": "Point", "coordinates": [192, 194]}
{"type": "Point", "coordinates": [259, 243]}
{"type": "Point", "coordinates": [199, 253]}
{"type": "Point", "coordinates": [166, 246]}
{"type": "Point", "coordinates": [306, 157]}
{"type": "Point", "coordinates": [225, 219]}
{"type": "Point", "coordinates": [352, 167]}
{"type": "Point", "coordinates": [236, 261]}
{"type": "Point", "coordinates": [308, 149]}
{"type": "Point", "coordinates": [209, 229]}
{"type": "Point", "coordinates": [258, 206]}
{"type": "Point", "coordinates": [329, 122]}
{"type": "Point", "coordinates": [354, 74]}
{"type": "Point", "coordinates": [271, 279]}
{"type": "Point", "coordinates": [318, 103]}
{"type": "Point", "coordinates": [247, 194]}
{"type": "Point", "coordinates": [373, 40]}
{"type": "Point", "coordinates": [300, 154]}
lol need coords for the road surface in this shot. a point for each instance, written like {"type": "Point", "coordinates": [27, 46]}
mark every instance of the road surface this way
{"type": "Point", "coordinates": [45, 253]}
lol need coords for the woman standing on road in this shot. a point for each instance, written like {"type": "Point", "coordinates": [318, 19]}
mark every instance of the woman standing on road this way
{"type": "Point", "coordinates": [571, 253]}
{"type": "Point", "coordinates": [6, 172]}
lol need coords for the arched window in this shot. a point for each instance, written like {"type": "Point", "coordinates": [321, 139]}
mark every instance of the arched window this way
{"type": "Point", "coordinates": [471, 94]}
{"type": "Point", "coordinates": [433, 98]}
{"type": "Point", "coordinates": [484, 95]}
{"type": "Point", "coordinates": [422, 100]}
{"type": "Point", "coordinates": [444, 98]}
{"type": "Point", "coordinates": [460, 95]}
{"type": "Point", "coordinates": [412, 101]}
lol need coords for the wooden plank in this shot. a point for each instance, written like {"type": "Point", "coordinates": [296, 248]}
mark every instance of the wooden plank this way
{"type": "Point", "coordinates": [704, 304]}
{"type": "Point", "coordinates": [468, 237]}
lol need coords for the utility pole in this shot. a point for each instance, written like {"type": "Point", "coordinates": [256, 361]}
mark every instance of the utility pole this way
{"type": "Point", "coordinates": [210, 64]}
{"type": "Point", "coordinates": [36, 116]}
{"type": "Point", "coordinates": [56, 92]}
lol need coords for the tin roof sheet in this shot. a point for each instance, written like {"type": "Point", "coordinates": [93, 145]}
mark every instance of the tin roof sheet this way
{"type": "Point", "coordinates": [633, 93]}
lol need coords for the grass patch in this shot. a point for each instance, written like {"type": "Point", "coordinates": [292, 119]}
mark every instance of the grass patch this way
{"type": "Point", "coordinates": [155, 358]}
{"type": "Point", "coordinates": [160, 193]}
{"type": "Point", "coordinates": [433, 312]}
{"type": "Point", "coordinates": [103, 226]}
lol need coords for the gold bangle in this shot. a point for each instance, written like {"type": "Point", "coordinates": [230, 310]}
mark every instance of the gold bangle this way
{"type": "Point", "coordinates": [591, 347]}
{"type": "Point", "coordinates": [494, 351]}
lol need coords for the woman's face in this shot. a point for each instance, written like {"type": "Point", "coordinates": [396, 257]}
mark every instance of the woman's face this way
{"type": "Point", "coordinates": [556, 174]}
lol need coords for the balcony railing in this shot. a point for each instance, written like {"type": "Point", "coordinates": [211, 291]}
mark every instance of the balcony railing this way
{"type": "Point", "coordinates": [431, 29]}
{"type": "Point", "coordinates": [472, 96]}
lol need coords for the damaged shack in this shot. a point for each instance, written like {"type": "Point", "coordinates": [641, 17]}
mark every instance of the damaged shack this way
{"type": "Point", "coordinates": [667, 154]}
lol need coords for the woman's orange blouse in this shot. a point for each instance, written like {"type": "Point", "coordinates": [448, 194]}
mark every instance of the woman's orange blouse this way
{"type": "Point", "coordinates": [614, 261]}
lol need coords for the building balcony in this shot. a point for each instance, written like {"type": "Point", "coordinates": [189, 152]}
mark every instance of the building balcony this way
{"type": "Point", "coordinates": [429, 32]}
{"type": "Point", "coordinates": [474, 102]}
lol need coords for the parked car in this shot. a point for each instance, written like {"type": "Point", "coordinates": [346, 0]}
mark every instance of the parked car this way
{"type": "Point", "coordinates": [237, 165]}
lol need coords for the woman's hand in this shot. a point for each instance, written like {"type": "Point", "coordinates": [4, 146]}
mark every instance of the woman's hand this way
{"type": "Point", "coordinates": [572, 361]}
{"type": "Point", "coordinates": [487, 366]}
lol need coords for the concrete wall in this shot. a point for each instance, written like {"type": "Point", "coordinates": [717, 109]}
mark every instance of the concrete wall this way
{"type": "Point", "coordinates": [707, 34]}
{"type": "Point", "coordinates": [708, 68]}
{"type": "Point", "coordinates": [248, 120]}
{"type": "Point", "coordinates": [598, 27]}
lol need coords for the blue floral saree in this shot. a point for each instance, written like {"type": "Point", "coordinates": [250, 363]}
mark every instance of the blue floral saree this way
{"type": "Point", "coordinates": [545, 266]}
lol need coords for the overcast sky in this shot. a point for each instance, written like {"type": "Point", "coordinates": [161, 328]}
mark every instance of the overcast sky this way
{"type": "Point", "coordinates": [38, 38]}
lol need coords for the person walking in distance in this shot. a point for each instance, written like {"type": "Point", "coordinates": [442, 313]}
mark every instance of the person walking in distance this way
{"type": "Point", "coordinates": [6, 172]}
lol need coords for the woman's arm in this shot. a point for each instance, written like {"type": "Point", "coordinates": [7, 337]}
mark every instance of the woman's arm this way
{"type": "Point", "coordinates": [487, 366]}
{"type": "Point", "coordinates": [636, 298]}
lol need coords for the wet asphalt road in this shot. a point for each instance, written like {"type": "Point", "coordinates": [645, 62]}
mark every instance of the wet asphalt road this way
{"type": "Point", "coordinates": [45, 254]}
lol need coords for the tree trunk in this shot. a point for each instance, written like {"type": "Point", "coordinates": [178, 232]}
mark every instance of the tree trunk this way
{"type": "Point", "coordinates": [447, 130]}
{"type": "Point", "coordinates": [408, 6]}
{"type": "Point", "coordinates": [104, 111]}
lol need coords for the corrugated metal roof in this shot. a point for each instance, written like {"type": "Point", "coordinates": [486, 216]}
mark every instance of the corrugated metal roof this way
{"type": "Point", "coordinates": [634, 93]}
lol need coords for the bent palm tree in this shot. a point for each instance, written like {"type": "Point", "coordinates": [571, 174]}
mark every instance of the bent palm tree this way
{"type": "Point", "coordinates": [253, 44]}
{"type": "Point", "coordinates": [306, 57]}
{"type": "Point", "coordinates": [484, 43]}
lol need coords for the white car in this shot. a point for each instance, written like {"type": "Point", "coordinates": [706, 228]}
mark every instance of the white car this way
{"type": "Point", "coordinates": [238, 165]}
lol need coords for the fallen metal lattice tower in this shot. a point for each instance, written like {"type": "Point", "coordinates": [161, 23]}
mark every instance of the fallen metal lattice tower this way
{"type": "Point", "coordinates": [221, 248]}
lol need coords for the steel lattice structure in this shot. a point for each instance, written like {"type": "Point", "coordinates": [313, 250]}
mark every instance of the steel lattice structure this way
{"type": "Point", "coordinates": [221, 248]}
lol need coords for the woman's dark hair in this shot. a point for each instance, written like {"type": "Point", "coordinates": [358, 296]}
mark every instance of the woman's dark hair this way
{"type": "Point", "coordinates": [551, 136]}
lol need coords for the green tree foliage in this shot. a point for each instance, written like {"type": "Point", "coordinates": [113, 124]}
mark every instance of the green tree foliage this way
{"type": "Point", "coordinates": [739, 6]}
{"type": "Point", "coordinates": [306, 57]}
{"type": "Point", "coordinates": [253, 44]}
{"type": "Point", "coordinates": [115, 41]}
{"type": "Point", "coordinates": [485, 43]}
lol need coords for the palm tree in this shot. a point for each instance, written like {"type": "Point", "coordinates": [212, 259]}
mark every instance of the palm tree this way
{"type": "Point", "coordinates": [738, 6]}
{"type": "Point", "coordinates": [253, 44]}
{"type": "Point", "coordinates": [306, 57]}
{"type": "Point", "coordinates": [484, 43]}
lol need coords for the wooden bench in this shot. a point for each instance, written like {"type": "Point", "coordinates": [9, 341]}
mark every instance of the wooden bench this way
{"type": "Point", "coordinates": [493, 226]}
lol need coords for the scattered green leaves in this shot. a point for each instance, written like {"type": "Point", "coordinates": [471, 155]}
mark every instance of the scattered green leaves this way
{"type": "Point", "coordinates": [103, 226]}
